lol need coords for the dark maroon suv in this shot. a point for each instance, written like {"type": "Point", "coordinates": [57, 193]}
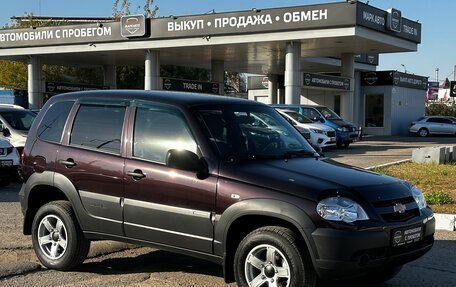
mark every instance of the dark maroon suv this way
{"type": "Point", "coordinates": [223, 179]}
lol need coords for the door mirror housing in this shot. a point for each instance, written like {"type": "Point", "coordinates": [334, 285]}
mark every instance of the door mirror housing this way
{"type": "Point", "coordinates": [322, 120]}
{"type": "Point", "coordinates": [187, 160]}
{"type": "Point", "coordinates": [6, 132]}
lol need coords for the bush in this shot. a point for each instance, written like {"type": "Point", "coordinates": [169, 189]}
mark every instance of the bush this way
{"type": "Point", "coordinates": [438, 197]}
{"type": "Point", "coordinates": [441, 109]}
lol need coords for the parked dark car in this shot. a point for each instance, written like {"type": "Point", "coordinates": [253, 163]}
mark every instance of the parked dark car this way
{"type": "Point", "coordinates": [193, 174]}
{"type": "Point", "coordinates": [433, 125]}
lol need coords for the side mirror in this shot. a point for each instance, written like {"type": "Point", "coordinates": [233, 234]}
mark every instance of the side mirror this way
{"type": "Point", "coordinates": [187, 160]}
{"type": "Point", "coordinates": [6, 132]}
{"type": "Point", "coordinates": [322, 120]}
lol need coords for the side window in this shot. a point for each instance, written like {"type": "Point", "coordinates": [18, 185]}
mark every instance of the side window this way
{"type": "Point", "coordinates": [98, 127]}
{"type": "Point", "coordinates": [445, 121]}
{"type": "Point", "coordinates": [51, 127]}
{"type": "Point", "coordinates": [157, 130]}
{"type": "Point", "coordinates": [311, 113]}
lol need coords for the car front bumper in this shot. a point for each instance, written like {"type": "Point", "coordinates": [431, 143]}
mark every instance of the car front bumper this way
{"type": "Point", "coordinates": [347, 137]}
{"type": "Point", "coordinates": [347, 254]}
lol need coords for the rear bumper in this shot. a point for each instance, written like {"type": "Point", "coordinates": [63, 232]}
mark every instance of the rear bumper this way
{"type": "Point", "coordinates": [345, 254]}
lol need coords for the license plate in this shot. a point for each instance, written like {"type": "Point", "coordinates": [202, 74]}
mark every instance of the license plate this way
{"type": "Point", "coordinates": [407, 235]}
{"type": "Point", "coordinates": [6, 163]}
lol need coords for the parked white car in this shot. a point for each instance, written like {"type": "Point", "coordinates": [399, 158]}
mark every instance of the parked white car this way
{"type": "Point", "coordinates": [425, 126]}
{"type": "Point", "coordinates": [320, 135]}
{"type": "Point", "coordinates": [15, 123]}
{"type": "Point", "coordinates": [9, 162]}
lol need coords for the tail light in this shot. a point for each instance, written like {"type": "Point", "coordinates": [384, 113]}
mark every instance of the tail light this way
{"type": "Point", "coordinates": [22, 155]}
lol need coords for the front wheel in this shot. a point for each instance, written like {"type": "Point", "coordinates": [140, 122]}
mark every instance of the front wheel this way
{"type": "Point", "coordinates": [423, 132]}
{"type": "Point", "coordinates": [272, 256]}
{"type": "Point", "coordinates": [57, 238]}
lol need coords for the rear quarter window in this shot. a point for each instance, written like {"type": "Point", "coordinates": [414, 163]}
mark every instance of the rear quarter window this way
{"type": "Point", "coordinates": [53, 123]}
{"type": "Point", "coordinates": [98, 127]}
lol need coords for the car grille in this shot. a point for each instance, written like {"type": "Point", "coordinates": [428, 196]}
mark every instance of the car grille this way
{"type": "Point", "coordinates": [331, 134]}
{"type": "Point", "coordinates": [387, 211]}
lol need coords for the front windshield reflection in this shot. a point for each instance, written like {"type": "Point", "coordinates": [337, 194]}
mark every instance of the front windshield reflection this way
{"type": "Point", "coordinates": [251, 132]}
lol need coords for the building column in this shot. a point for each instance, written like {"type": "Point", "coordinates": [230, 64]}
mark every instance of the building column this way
{"type": "Point", "coordinates": [218, 74]}
{"type": "Point", "coordinates": [109, 76]}
{"type": "Point", "coordinates": [293, 73]}
{"type": "Point", "coordinates": [272, 89]}
{"type": "Point", "coordinates": [347, 99]}
{"type": "Point", "coordinates": [35, 95]}
{"type": "Point", "coordinates": [152, 70]}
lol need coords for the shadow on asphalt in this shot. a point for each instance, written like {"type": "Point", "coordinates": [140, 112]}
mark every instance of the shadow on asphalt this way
{"type": "Point", "coordinates": [10, 193]}
{"type": "Point", "coordinates": [436, 268]}
{"type": "Point", "coordinates": [153, 262]}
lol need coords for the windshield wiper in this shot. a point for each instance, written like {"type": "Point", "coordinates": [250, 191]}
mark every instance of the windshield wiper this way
{"type": "Point", "coordinates": [298, 153]}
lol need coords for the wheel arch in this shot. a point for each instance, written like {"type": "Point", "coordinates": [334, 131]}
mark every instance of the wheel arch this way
{"type": "Point", "coordinates": [42, 188]}
{"type": "Point", "coordinates": [245, 216]}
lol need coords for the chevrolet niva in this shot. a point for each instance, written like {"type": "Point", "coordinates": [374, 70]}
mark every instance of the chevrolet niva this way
{"type": "Point", "coordinates": [194, 174]}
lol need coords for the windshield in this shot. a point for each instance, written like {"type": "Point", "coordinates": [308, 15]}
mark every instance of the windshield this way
{"type": "Point", "coordinates": [239, 132]}
{"type": "Point", "coordinates": [328, 113]}
{"type": "Point", "coordinates": [20, 120]}
{"type": "Point", "coordinates": [298, 117]}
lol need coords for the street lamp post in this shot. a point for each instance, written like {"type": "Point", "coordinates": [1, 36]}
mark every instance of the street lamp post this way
{"type": "Point", "coordinates": [405, 69]}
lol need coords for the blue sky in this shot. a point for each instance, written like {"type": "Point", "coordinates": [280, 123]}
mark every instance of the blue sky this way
{"type": "Point", "coordinates": [437, 50]}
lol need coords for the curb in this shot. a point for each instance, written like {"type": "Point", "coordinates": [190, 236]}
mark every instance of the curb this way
{"type": "Point", "coordinates": [442, 221]}
{"type": "Point", "coordinates": [445, 221]}
{"type": "Point", "coordinates": [388, 164]}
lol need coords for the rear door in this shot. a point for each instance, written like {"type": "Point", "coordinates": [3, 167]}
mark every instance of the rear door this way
{"type": "Point", "coordinates": [91, 159]}
{"type": "Point", "coordinates": [164, 205]}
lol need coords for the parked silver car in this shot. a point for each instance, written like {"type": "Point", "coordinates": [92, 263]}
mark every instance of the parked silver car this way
{"type": "Point", "coordinates": [425, 126]}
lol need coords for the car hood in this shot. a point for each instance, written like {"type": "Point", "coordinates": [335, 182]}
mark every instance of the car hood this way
{"type": "Point", "coordinates": [4, 143]}
{"type": "Point", "coordinates": [342, 123]}
{"type": "Point", "coordinates": [319, 126]}
{"type": "Point", "coordinates": [304, 177]}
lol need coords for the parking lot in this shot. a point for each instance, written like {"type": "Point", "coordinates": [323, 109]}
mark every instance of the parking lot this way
{"type": "Point", "coordinates": [112, 264]}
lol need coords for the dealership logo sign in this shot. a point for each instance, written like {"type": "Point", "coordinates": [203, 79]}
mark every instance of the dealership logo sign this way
{"type": "Point", "coordinates": [371, 78]}
{"type": "Point", "coordinates": [133, 26]}
{"type": "Point", "coordinates": [394, 20]}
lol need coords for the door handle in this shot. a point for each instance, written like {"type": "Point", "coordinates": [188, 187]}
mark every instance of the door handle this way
{"type": "Point", "coordinates": [69, 163]}
{"type": "Point", "coordinates": [136, 174]}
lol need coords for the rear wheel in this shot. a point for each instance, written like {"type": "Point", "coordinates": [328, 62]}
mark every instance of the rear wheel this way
{"type": "Point", "coordinates": [423, 132]}
{"type": "Point", "coordinates": [272, 256]}
{"type": "Point", "coordinates": [57, 238]}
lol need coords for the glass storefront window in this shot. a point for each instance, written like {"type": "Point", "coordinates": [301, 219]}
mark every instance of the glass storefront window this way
{"type": "Point", "coordinates": [374, 110]}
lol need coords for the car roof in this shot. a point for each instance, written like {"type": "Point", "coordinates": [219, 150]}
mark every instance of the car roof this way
{"type": "Point", "coordinates": [297, 105]}
{"type": "Point", "coordinates": [11, 106]}
{"type": "Point", "coordinates": [165, 97]}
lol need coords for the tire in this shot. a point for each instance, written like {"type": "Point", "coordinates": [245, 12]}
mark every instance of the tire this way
{"type": "Point", "coordinates": [343, 145]}
{"type": "Point", "coordinates": [273, 256]}
{"type": "Point", "coordinates": [62, 245]}
{"type": "Point", "coordinates": [423, 132]}
{"type": "Point", "coordinates": [382, 274]}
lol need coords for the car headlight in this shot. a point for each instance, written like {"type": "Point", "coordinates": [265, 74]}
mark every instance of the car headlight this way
{"type": "Point", "coordinates": [343, 129]}
{"type": "Point", "coordinates": [317, 131]}
{"type": "Point", "coordinates": [419, 197]}
{"type": "Point", "coordinates": [341, 209]}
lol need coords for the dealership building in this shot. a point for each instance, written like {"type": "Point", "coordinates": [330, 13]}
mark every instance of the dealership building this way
{"type": "Point", "coordinates": [315, 54]}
